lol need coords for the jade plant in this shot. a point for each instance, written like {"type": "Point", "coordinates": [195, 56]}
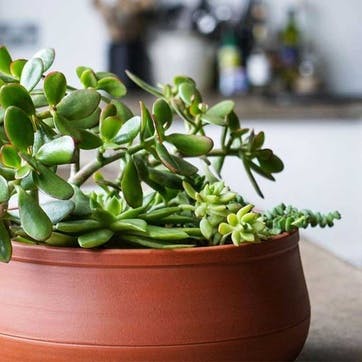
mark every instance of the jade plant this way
{"type": "Point", "coordinates": [159, 198]}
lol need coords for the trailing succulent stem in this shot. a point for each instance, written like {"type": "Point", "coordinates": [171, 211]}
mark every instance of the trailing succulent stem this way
{"type": "Point", "coordinates": [46, 124]}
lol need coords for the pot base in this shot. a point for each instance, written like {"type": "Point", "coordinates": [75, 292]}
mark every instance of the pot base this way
{"type": "Point", "coordinates": [260, 348]}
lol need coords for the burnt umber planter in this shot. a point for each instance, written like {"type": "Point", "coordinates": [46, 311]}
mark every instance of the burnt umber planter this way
{"type": "Point", "coordinates": [221, 303]}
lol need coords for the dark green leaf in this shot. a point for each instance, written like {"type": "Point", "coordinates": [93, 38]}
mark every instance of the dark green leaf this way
{"type": "Point", "coordinates": [58, 210]}
{"type": "Point", "coordinates": [79, 104]}
{"type": "Point", "coordinates": [113, 86]}
{"type": "Point", "coordinates": [81, 201]}
{"type": "Point", "coordinates": [95, 238]}
{"type": "Point", "coordinates": [162, 112]}
{"type": "Point", "coordinates": [131, 185]}
{"type": "Point", "coordinates": [57, 152]}
{"type": "Point", "coordinates": [16, 67]}
{"type": "Point", "coordinates": [191, 145]}
{"type": "Point", "coordinates": [5, 244]}
{"type": "Point", "coordinates": [5, 60]}
{"type": "Point", "coordinates": [47, 56]}
{"type": "Point", "coordinates": [174, 163]}
{"type": "Point", "coordinates": [19, 128]}
{"type": "Point", "coordinates": [32, 73]}
{"type": "Point", "coordinates": [258, 141]}
{"type": "Point", "coordinates": [88, 140]}
{"type": "Point", "coordinates": [261, 171]}
{"type": "Point", "coordinates": [272, 165]}
{"type": "Point", "coordinates": [51, 183]}
{"type": "Point", "coordinates": [145, 86]}
{"type": "Point", "coordinates": [165, 178]}
{"type": "Point", "coordinates": [34, 220]}
{"type": "Point", "coordinates": [4, 190]}
{"type": "Point", "coordinates": [147, 128]}
{"type": "Point", "coordinates": [59, 239]}
{"type": "Point", "coordinates": [9, 156]}
{"type": "Point", "coordinates": [78, 226]}
{"type": "Point", "coordinates": [65, 127]}
{"type": "Point", "coordinates": [252, 178]}
{"type": "Point", "coordinates": [233, 121]}
{"type": "Point", "coordinates": [128, 131]}
{"type": "Point", "coordinates": [88, 78]}
{"type": "Point", "coordinates": [16, 95]}
{"type": "Point", "coordinates": [55, 86]}
{"type": "Point", "coordinates": [88, 122]}
{"type": "Point", "coordinates": [122, 111]}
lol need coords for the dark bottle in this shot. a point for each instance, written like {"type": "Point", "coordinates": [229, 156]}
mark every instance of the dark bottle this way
{"type": "Point", "coordinates": [290, 51]}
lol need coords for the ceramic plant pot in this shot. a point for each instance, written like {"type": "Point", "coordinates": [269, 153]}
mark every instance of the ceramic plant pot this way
{"type": "Point", "coordinates": [220, 303]}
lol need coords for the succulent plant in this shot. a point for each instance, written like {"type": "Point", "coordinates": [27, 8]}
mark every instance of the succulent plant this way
{"type": "Point", "coordinates": [46, 124]}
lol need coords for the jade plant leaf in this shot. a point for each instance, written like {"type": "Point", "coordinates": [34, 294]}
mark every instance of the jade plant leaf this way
{"type": "Point", "coordinates": [113, 86]}
{"type": "Point", "coordinates": [5, 60]}
{"type": "Point", "coordinates": [47, 56]}
{"type": "Point", "coordinates": [190, 145]}
{"type": "Point", "coordinates": [174, 163]}
{"type": "Point", "coordinates": [51, 183]}
{"type": "Point", "coordinates": [109, 127]}
{"type": "Point", "coordinates": [34, 220]}
{"type": "Point", "coordinates": [218, 113]}
{"type": "Point", "coordinates": [147, 128]}
{"type": "Point", "coordinates": [165, 178]}
{"type": "Point", "coordinates": [188, 92]}
{"type": "Point", "coordinates": [95, 238]}
{"type": "Point", "coordinates": [18, 128]}
{"type": "Point", "coordinates": [58, 210]}
{"type": "Point", "coordinates": [16, 67]}
{"type": "Point", "coordinates": [31, 73]}
{"type": "Point", "coordinates": [88, 122]}
{"type": "Point", "coordinates": [79, 104]}
{"type": "Point", "coordinates": [56, 152]}
{"type": "Point", "coordinates": [122, 110]}
{"type": "Point", "coordinates": [88, 140]}
{"type": "Point", "coordinates": [88, 78]}
{"type": "Point", "coordinates": [148, 88]}
{"type": "Point", "coordinates": [4, 190]}
{"type": "Point", "coordinates": [128, 131]}
{"type": "Point", "coordinates": [131, 185]}
{"type": "Point", "coordinates": [162, 112]}
{"type": "Point", "coordinates": [55, 86]}
{"type": "Point", "coordinates": [65, 127]}
{"type": "Point", "coordinates": [5, 244]}
{"type": "Point", "coordinates": [16, 95]}
{"type": "Point", "coordinates": [9, 156]}
{"type": "Point", "coordinates": [109, 110]}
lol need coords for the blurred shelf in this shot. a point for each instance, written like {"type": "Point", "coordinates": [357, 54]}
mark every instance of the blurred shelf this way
{"type": "Point", "coordinates": [327, 107]}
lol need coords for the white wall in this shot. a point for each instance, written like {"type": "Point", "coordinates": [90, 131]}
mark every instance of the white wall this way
{"type": "Point", "coordinates": [323, 161]}
{"type": "Point", "coordinates": [72, 27]}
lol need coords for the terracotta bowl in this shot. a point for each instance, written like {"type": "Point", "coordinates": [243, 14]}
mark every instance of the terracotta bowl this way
{"type": "Point", "coordinates": [222, 303]}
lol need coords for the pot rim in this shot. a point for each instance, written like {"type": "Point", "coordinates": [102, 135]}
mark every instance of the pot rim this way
{"type": "Point", "coordinates": [220, 254]}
